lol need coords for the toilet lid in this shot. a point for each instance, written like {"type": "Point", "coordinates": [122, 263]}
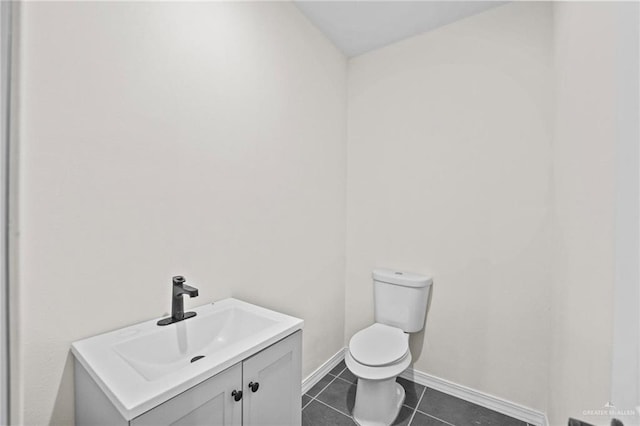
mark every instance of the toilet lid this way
{"type": "Point", "coordinates": [379, 345]}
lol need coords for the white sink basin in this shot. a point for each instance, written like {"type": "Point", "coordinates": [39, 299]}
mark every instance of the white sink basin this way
{"type": "Point", "coordinates": [166, 350]}
{"type": "Point", "coordinates": [143, 365]}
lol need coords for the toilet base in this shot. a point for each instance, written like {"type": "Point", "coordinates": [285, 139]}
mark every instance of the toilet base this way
{"type": "Point", "coordinates": [378, 402]}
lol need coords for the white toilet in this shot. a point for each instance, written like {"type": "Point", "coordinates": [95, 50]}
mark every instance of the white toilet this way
{"type": "Point", "coordinates": [380, 352]}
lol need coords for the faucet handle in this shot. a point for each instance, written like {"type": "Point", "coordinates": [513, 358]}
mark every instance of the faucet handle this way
{"type": "Point", "coordinates": [178, 280]}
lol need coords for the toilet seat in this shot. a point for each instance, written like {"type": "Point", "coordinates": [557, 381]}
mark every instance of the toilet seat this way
{"type": "Point", "coordinates": [379, 345]}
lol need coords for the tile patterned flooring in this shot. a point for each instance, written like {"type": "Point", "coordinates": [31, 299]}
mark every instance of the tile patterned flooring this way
{"type": "Point", "coordinates": [330, 401]}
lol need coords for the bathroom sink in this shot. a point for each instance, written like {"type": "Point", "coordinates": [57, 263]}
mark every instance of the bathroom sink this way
{"type": "Point", "coordinates": [165, 351]}
{"type": "Point", "coordinates": [143, 365]}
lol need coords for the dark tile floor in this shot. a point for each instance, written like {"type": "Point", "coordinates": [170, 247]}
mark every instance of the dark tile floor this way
{"type": "Point", "coordinates": [331, 400]}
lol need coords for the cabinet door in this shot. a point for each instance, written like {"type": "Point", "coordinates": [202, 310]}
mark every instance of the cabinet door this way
{"type": "Point", "coordinates": [277, 371]}
{"type": "Point", "coordinates": [209, 403]}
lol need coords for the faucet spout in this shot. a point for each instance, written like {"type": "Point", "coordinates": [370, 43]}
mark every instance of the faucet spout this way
{"type": "Point", "coordinates": [189, 291]}
{"type": "Point", "coordinates": [179, 288]}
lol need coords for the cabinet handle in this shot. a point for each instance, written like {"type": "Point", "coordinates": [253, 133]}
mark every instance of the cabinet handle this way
{"type": "Point", "coordinates": [254, 386]}
{"type": "Point", "coordinates": [237, 395]}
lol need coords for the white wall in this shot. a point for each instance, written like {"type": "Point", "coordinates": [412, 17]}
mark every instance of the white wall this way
{"type": "Point", "coordinates": [594, 352]}
{"type": "Point", "coordinates": [204, 139]}
{"type": "Point", "coordinates": [449, 173]}
{"type": "Point", "coordinates": [626, 341]}
{"type": "Point", "coordinates": [5, 99]}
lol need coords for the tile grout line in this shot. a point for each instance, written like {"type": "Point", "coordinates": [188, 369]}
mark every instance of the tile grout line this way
{"type": "Point", "coordinates": [440, 420]}
{"type": "Point", "coordinates": [345, 380]}
{"type": "Point", "coordinates": [324, 388]}
{"type": "Point", "coordinates": [341, 371]}
{"type": "Point", "coordinates": [417, 405]}
{"type": "Point", "coordinates": [424, 391]}
{"type": "Point", "coordinates": [449, 423]}
{"type": "Point", "coordinates": [307, 404]}
{"type": "Point", "coordinates": [331, 382]}
{"type": "Point", "coordinates": [313, 398]}
{"type": "Point", "coordinates": [334, 409]}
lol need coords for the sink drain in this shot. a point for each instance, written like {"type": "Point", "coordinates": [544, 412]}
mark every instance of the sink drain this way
{"type": "Point", "coordinates": [195, 358]}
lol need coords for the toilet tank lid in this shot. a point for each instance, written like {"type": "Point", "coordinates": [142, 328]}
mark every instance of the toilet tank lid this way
{"type": "Point", "coordinates": [408, 279]}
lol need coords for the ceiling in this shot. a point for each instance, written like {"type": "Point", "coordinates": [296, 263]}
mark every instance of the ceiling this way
{"type": "Point", "coordinates": [356, 27]}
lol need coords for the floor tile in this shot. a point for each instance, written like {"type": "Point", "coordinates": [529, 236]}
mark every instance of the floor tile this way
{"type": "Point", "coordinates": [340, 395]}
{"type": "Point", "coordinates": [317, 414]}
{"type": "Point", "coordinates": [305, 400]}
{"type": "Point", "coordinates": [320, 385]}
{"type": "Point", "coordinates": [348, 376]}
{"type": "Point", "coordinates": [338, 368]}
{"type": "Point", "coordinates": [413, 392]}
{"type": "Point", "coordinates": [404, 416]}
{"type": "Point", "coordinates": [462, 413]}
{"type": "Point", "coordinates": [423, 420]}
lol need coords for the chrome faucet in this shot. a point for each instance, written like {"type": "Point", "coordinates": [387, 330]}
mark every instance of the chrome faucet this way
{"type": "Point", "coordinates": [177, 303]}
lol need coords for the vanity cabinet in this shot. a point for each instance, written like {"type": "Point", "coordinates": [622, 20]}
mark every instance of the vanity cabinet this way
{"type": "Point", "coordinates": [272, 385]}
{"type": "Point", "coordinates": [209, 403]}
{"type": "Point", "coordinates": [270, 382]}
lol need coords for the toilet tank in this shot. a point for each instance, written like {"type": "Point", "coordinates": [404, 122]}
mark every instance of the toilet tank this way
{"type": "Point", "coordinates": [401, 298]}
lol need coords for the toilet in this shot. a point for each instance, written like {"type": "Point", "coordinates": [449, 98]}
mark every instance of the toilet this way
{"type": "Point", "coordinates": [380, 353]}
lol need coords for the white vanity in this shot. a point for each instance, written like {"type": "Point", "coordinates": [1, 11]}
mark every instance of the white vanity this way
{"type": "Point", "coordinates": [234, 363]}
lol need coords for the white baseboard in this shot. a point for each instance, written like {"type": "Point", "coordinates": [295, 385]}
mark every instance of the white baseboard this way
{"type": "Point", "coordinates": [322, 371]}
{"type": "Point", "coordinates": [482, 399]}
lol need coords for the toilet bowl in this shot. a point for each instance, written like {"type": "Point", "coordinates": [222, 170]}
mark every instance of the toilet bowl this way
{"type": "Point", "coordinates": [378, 354]}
